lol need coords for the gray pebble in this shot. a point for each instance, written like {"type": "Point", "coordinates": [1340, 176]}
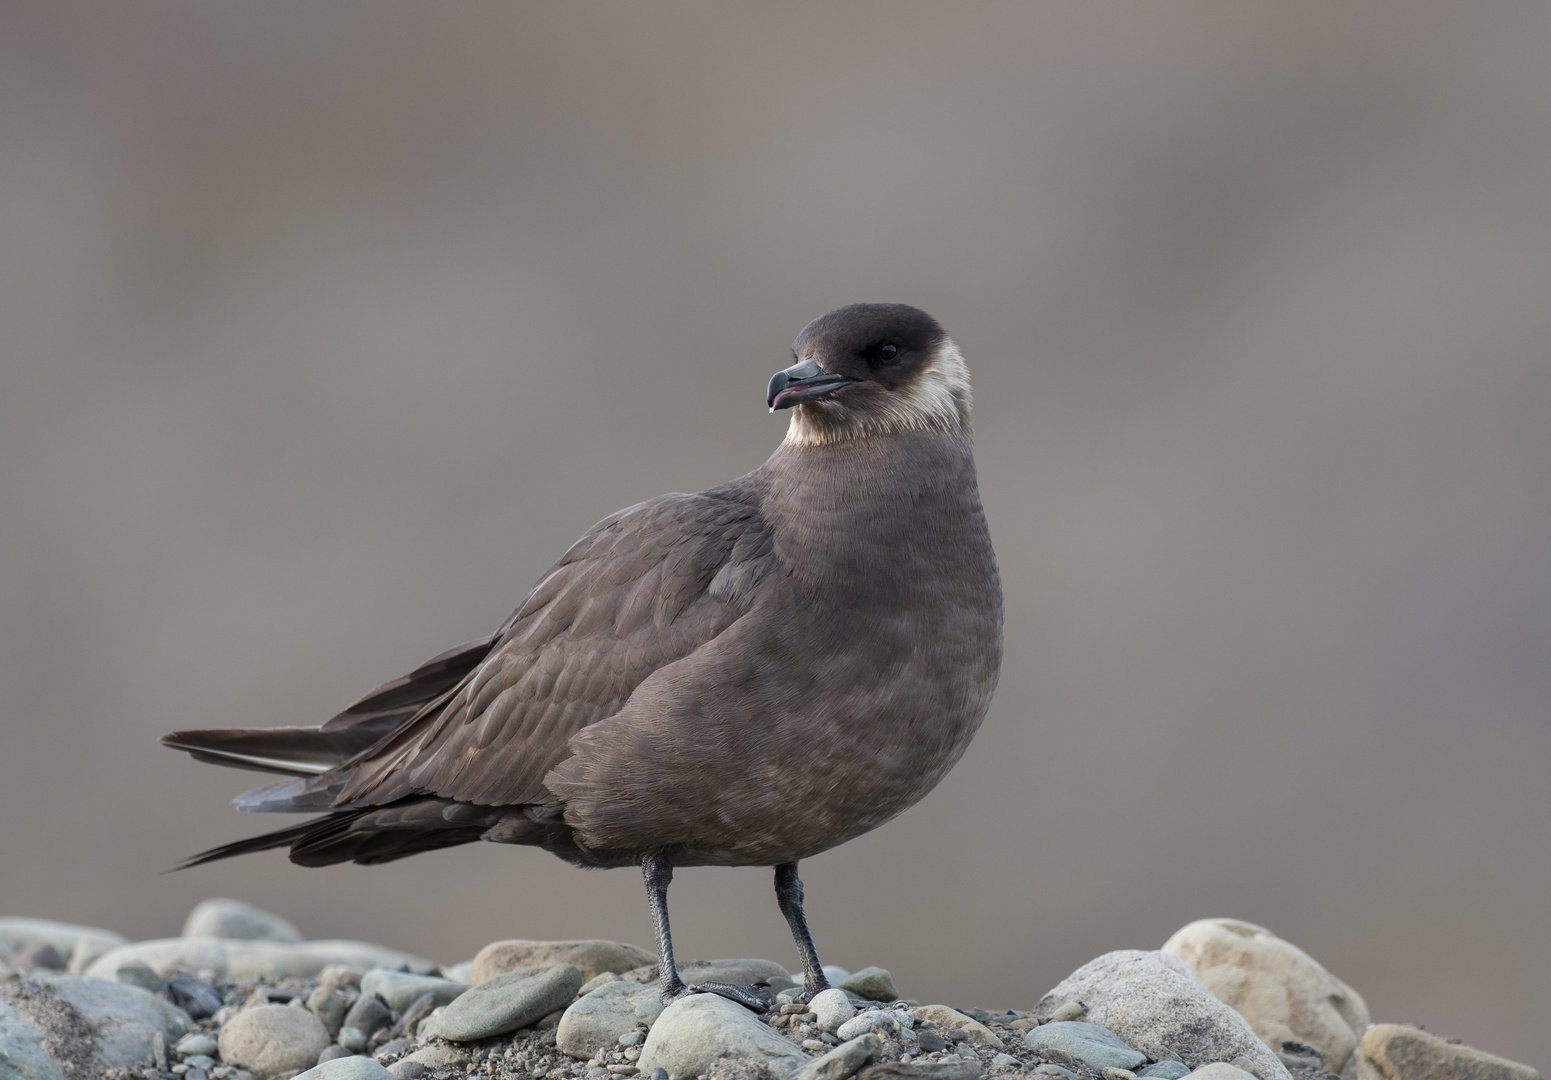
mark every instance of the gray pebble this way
{"type": "Point", "coordinates": [1166, 1070]}
{"type": "Point", "coordinates": [198, 1042]}
{"type": "Point", "coordinates": [1055, 1072]}
{"type": "Point", "coordinates": [369, 1015]}
{"type": "Point", "coordinates": [409, 1019]}
{"type": "Point", "coordinates": [1005, 1061]}
{"type": "Point", "coordinates": [1096, 1046]}
{"type": "Point", "coordinates": [841, 1062]}
{"type": "Point", "coordinates": [352, 1039]}
{"type": "Point", "coordinates": [872, 983]}
{"type": "Point", "coordinates": [329, 1006]}
{"type": "Point", "coordinates": [346, 1068]}
{"type": "Point", "coordinates": [930, 1042]}
{"type": "Point", "coordinates": [508, 1002]}
{"type": "Point", "coordinates": [332, 1051]}
{"type": "Point", "coordinates": [400, 989]}
{"type": "Point", "coordinates": [194, 996]}
{"type": "Point", "coordinates": [138, 973]}
{"type": "Point", "coordinates": [393, 1048]}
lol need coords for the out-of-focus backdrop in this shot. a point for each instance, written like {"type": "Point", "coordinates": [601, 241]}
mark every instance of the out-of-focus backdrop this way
{"type": "Point", "coordinates": [325, 327]}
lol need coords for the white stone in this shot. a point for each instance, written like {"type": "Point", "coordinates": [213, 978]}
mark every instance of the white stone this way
{"type": "Point", "coordinates": [165, 956]}
{"type": "Point", "coordinates": [1155, 1003]}
{"type": "Point", "coordinates": [235, 920]}
{"type": "Point", "coordinates": [1281, 990]}
{"type": "Point", "coordinates": [832, 1007]}
{"type": "Point", "coordinates": [273, 1042]}
{"type": "Point", "coordinates": [597, 1020]}
{"type": "Point", "coordinates": [701, 1028]}
{"type": "Point", "coordinates": [347, 1068]}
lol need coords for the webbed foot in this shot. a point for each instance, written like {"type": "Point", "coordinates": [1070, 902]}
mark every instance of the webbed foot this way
{"type": "Point", "coordinates": [756, 998]}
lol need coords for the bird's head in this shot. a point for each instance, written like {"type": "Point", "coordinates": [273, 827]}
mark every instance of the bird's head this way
{"type": "Point", "coordinates": [872, 369]}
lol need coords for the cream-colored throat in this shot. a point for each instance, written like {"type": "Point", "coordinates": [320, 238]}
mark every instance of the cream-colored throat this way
{"type": "Point", "coordinates": [937, 399]}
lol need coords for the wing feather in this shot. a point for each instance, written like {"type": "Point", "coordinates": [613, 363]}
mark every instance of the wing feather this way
{"type": "Point", "coordinates": [631, 596]}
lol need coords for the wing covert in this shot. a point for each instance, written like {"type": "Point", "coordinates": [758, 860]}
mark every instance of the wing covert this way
{"type": "Point", "coordinates": [643, 588]}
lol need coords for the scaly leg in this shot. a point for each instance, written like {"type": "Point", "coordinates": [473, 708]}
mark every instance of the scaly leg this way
{"type": "Point", "coordinates": [788, 889]}
{"type": "Point", "coordinates": [658, 872]}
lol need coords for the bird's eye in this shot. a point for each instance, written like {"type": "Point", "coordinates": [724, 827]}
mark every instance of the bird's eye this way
{"type": "Point", "coordinates": [888, 354]}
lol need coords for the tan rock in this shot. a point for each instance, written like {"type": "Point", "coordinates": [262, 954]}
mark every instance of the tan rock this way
{"type": "Point", "coordinates": [592, 957]}
{"type": "Point", "coordinates": [1281, 990]}
{"type": "Point", "coordinates": [273, 1042]}
{"type": "Point", "coordinates": [948, 1019]}
{"type": "Point", "coordinates": [1397, 1052]}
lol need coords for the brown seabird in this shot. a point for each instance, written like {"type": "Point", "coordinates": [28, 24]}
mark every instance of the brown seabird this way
{"type": "Point", "coordinates": [745, 676]}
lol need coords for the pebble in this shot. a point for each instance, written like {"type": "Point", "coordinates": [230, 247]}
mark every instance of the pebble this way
{"type": "Point", "coordinates": [352, 1039]}
{"type": "Point", "coordinates": [1091, 1044]}
{"type": "Point", "coordinates": [508, 1002]}
{"type": "Point", "coordinates": [872, 983]}
{"type": "Point", "coordinates": [831, 1008]}
{"type": "Point", "coordinates": [393, 1048]}
{"type": "Point", "coordinates": [1166, 1070]}
{"type": "Point", "coordinates": [329, 1006]}
{"type": "Point", "coordinates": [1155, 1003]}
{"type": "Point", "coordinates": [1281, 990]}
{"type": "Point", "coordinates": [1398, 1052]}
{"type": "Point", "coordinates": [699, 1029]}
{"type": "Point", "coordinates": [400, 989]}
{"type": "Point", "coordinates": [195, 1044]}
{"type": "Point", "coordinates": [409, 1020]}
{"type": "Point", "coordinates": [346, 1068]}
{"type": "Point", "coordinates": [1055, 1072]}
{"type": "Point", "coordinates": [369, 1015]}
{"type": "Point", "coordinates": [273, 1041]}
{"type": "Point", "coordinates": [946, 1069]}
{"type": "Point", "coordinates": [591, 956]}
{"type": "Point", "coordinates": [956, 1023]}
{"type": "Point", "coordinates": [601, 979]}
{"type": "Point", "coordinates": [193, 995]}
{"type": "Point", "coordinates": [1221, 1070]}
{"type": "Point", "coordinates": [135, 973]}
{"type": "Point", "coordinates": [930, 1042]}
{"type": "Point", "coordinates": [604, 1017]}
{"type": "Point", "coordinates": [890, 1020]}
{"type": "Point", "coordinates": [40, 954]}
{"type": "Point", "coordinates": [1005, 1061]}
{"type": "Point", "coordinates": [332, 1051]}
{"type": "Point", "coordinates": [222, 918]}
{"type": "Point", "coordinates": [841, 1062]}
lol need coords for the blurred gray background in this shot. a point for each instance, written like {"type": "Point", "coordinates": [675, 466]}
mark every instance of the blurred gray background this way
{"type": "Point", "coordinates": [325, 327]}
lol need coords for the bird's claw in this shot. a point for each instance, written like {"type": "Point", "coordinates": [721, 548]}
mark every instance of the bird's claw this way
{"type": "Point", "coordinates": [756, 998]}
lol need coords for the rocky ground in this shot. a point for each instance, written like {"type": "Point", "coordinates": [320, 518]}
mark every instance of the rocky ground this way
{"type": "Point", "coordinates": [243, 996]}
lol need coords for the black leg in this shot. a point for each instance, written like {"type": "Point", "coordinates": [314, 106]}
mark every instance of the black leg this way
{"type": "Point", "coordinates": [658, 872]}
{"type": "Point", "coordinates": [788, 889]}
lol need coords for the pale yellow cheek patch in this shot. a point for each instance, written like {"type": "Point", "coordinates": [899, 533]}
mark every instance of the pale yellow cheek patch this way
{"type": "Point", "coordinates": [937, 400]}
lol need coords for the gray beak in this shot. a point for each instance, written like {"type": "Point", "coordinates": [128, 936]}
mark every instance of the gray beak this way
{"type": "Point", "coordinates": [804, 381]}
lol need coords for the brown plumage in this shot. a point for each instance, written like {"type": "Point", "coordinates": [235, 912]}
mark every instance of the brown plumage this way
{"type": "Point", "coordinates": [747, 675]}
